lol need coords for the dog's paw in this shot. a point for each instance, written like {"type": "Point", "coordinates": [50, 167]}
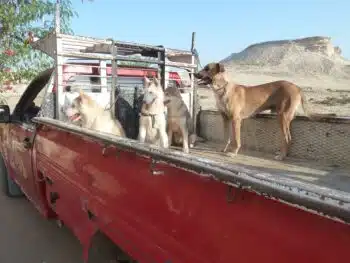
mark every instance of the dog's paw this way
{"type": "Point", "coordinates": [224, 150]}
{"type": "Point", "coordinates": [186, 150]}
{"type": "Point", "coordinates": [230, 154]}
{"type": "Point", "coordinates": [279, 157]}
{"type": "Point", "coordinates": [191, 145]}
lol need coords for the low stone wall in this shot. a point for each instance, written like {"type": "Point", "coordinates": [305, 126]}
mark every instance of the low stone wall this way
{"type": "Point", "coordinates": [326, 141]}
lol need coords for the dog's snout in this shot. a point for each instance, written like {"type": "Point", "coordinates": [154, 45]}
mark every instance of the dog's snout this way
{"type": "Point", "coordinates": [197, 75]}
{"type": "Point", "coordinates": [149, 97]}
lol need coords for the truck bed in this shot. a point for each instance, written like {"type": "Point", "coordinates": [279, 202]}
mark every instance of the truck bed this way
{"type": "Point", "coordinates": [321, 174]}
{"type": "Point", "coordinates": [319, 187]}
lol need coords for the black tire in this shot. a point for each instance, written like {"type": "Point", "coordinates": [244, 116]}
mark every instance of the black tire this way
{"type": "Point", "coordinates": [103, 250]}
{"type": "Point", "coordinates": [9, 187]}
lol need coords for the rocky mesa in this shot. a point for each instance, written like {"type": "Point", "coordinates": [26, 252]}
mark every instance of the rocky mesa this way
{"type": "Point", "coordinates": [308, 56]}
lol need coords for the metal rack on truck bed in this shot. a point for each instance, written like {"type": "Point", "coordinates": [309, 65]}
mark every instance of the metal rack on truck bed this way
{"type": "Point", "coordinates": [62, 46]}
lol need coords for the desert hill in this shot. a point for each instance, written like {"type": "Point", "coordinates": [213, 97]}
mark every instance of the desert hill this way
{"type": "Point", "coordinates": [311, 56]}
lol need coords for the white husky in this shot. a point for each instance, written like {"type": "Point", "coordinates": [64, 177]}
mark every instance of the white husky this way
{"type": "Point", "coordinates": [88, 114]}
{"type": "Point", "coordinates": [152, 128]}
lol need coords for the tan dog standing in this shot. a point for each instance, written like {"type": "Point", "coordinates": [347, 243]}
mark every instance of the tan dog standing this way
{"type": "Point", "coordinates": [179, 120]}
{"type": "Point", "coordinates": [237, 102]}
{"type": "Point", "coordinates": [85, 111]}
{"type": "Point", "coordinates": [152, 123]}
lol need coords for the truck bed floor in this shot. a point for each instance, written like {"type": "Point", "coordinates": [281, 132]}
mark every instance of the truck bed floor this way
{"type": "Point", "coordinates": [321, 174]}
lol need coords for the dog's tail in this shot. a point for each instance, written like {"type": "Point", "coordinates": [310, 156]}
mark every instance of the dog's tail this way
{"type": "Point", "coordinates": [313, 116]}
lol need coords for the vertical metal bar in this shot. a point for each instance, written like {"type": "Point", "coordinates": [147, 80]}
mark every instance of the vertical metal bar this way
{"type": "Point", "coordinates": [193, 86]}
{"type": "Point", "coordinates": [59, 82]}
{"type": "Point", "coordinates": [161, 56]}
{"type": "Point", "coordinates": [103, 76]}
{"type": "Point", "coordinates": [59, 63]}
{"type": "Point", "coordinates": [193, 41]}
{"type": "Point", "coordinates": [58, 17]}
{"type": "Point", "coordinates": [114, 78]}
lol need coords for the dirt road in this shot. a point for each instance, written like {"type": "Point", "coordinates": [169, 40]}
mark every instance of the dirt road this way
{"type": "Point", "coordinates": [26, 237]}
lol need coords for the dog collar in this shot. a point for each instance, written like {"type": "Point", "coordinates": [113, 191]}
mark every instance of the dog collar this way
{"type": "Point", "coordinates": [222, 88]}
{"type": "Point", "coordinates": [153, 117]}
{"type": "Point", "coordinates": [147, 114]}
{"type": "Point", "coordinates": [216, 91]}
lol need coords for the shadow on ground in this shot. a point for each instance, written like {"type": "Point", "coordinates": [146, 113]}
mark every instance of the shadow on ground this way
{"type": "Point", "coordinates": [25, 236]}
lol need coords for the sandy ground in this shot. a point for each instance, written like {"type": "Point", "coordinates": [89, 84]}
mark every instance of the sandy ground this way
{"type": "Point", "coordinates": [27, 237]}
{"type": "Point", "coordinates": [12, 98]}
{"type": "Point", "coordinates": [324, 94]}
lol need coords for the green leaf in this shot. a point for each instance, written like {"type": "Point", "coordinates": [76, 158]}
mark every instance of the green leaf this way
{"type": "Point", "coordinates": [16, 20]}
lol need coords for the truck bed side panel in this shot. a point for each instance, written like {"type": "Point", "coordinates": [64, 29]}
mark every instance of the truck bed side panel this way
{"type": "Point", "coordinates": [56, 162]}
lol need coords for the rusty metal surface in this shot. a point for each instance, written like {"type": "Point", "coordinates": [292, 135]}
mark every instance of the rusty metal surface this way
{"type": "Point", "coordinates": [323, 141]}
{"type": "Point", "coordinates": [302, 170]}
{"type": "Point", "coordinates": [308, 196]}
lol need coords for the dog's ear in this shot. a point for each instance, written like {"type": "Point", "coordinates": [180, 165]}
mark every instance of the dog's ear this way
{"type": "Point", "coordinates": [83, 97]}
{"type": "Point", "coordinates": [80, 96]}
{"type": "Point", "coordinates": [81, 93]}
{"type": "Point", "coordinates": [156, 81]}
{"type": "Point", "coordinates": [146, 81]}
{"type": "Point", "coordinates": [220, 67]}
{"type": "Point", "coordinates": [181, 86]}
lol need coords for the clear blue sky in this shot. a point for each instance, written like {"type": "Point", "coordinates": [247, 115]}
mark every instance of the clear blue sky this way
{"type": "Point", "coordinates": [222, 26]}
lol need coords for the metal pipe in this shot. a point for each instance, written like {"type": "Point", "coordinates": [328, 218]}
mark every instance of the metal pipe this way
{"type": "Point", "coordinates": [139, 59]}
{"type": "Point", "coordinates": [79, 84]}
{"type": "Point", "coordinates": [180, 65]}
{"type": "Point", "coordinates": [193, 41]}
{"type": "Point", "coordinates": [74, 54]}
{"type": "Point", "coordinates": [124, 58]}
{"type": "Point", "coordinates": [143, 46]}
{"type": "Point", "coordinates": [114, 79]}
{"type": "Point", "coordinates": [58, 17]}
{"type": "Point", "coordinates": [193, 85]}
{"type": "Point", "coordinates": [91, 40]}
{"type": "Point", "coordinates": [161, 57]}
{"type": "Point", "coordinates": [58, 60]}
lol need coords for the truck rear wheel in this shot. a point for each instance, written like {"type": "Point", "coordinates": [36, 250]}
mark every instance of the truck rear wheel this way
{"type": "Point", "coordinates": [9, 187]}
{"type": "Point", "coordinates": [103, 250]}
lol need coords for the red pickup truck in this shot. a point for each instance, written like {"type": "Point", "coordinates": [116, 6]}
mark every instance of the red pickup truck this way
{"type": "Point", "coordinates": [132, 202]}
